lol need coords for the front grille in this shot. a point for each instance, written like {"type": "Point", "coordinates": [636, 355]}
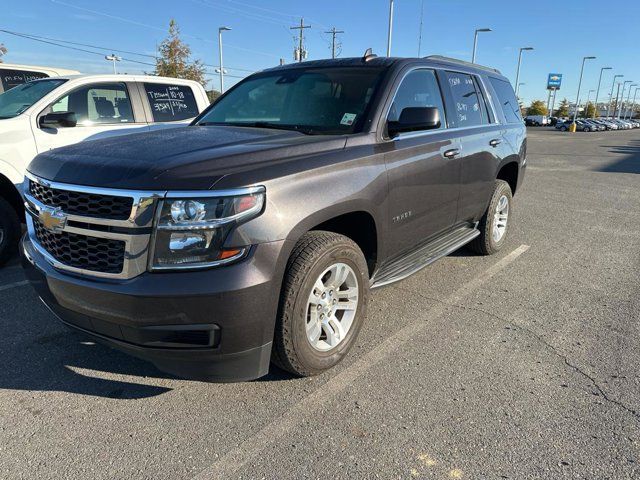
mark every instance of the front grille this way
{"type": "Point", "coordinates": [80, 251]}
{"type": "Point", "coordinates": [81, 203]}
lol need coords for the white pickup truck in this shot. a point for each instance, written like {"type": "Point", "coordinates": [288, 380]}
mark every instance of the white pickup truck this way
{"type": "Point", "coordinates": [53, 112]}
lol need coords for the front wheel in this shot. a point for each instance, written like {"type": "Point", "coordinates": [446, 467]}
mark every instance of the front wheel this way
{"type": "Point", "coordinates": [9, 231]}
{"type": "Point", "coordinates": [494, 224]}
{"type": "Point", "coordinates": [322, 305]}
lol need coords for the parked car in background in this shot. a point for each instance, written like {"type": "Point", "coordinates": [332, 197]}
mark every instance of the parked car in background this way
{"type": "Point", "coordinates": [53, 112]}
{"type": "Point", "coordinates": [12, 75]}
{"type": "Point", "coordinates": [596, 127]}
{"type": "Point", "coordinates": [536, 120]}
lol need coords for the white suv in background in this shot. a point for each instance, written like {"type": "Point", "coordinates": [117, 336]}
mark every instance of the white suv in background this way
{"type": "Point", "coordinates": [53, 112]}
{"type": "Point", "coordinates": [12, 75]}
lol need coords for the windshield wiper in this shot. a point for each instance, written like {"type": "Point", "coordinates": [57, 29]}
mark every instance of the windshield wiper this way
{"type": "Point", "coordinates": [275, 126]}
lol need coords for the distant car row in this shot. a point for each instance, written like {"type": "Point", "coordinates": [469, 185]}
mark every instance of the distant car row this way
{"type": "Point", "coordinates": [598, 124]}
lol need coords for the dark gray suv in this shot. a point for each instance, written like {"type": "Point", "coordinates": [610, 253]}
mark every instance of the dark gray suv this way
{"type": "Point", "coordinates": [256, 234]}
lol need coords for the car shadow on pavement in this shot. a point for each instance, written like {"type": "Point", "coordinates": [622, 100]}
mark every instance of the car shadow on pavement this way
{"type": "Point", "coordinates": [43, 355]}
{"type": "Point", "coordinates": [628, 164]}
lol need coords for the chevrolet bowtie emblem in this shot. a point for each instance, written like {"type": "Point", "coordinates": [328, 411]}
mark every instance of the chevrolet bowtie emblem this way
{"type": "Point", "coordinates": [52, 219]}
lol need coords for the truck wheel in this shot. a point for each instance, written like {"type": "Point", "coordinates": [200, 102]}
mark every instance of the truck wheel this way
{"type": "Point", "coordinates": [322, 305]}
{"type": "Point", "coordinates": [494, 224]}
{"type": "Point", "coordinates": [9, 231]}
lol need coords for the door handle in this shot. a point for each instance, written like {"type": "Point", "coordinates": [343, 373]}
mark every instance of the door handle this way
{"type": "Point", "coordinates": [454, 152]}
{"type": "Point", "coordinates": [495, 142]}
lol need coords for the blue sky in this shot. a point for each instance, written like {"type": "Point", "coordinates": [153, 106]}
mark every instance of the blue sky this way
{"type": "Point", "coordinates": [562, 32]}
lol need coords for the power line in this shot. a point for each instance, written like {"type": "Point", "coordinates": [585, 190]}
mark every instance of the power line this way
{"type": "Point", "coordinates": [31, 36]}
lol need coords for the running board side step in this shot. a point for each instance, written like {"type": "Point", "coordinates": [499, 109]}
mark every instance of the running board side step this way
{"type": "Point", "coordinates": [423, 255]}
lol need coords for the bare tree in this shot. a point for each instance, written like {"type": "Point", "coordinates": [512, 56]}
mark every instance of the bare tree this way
{"type": "Point", "coordinates": [3, 51]}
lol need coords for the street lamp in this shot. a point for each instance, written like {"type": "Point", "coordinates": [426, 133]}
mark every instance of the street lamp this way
{"type": "Point", "coordinates": [598, 90]}
{"type": "Point", "coordinates": [519, 62]}
{"type": "Point", "coordinates": [475, 42]}
{"type": "Point", "coordinates": [624, 85]}
{"type": "Point", "coordinates": [626, 105]}
{"type": "Point", "coordinates": [390, 30]}
{"type": "Point", "coordinates": [613, 85]}
{"type": "Point", "coordinates": [221, 70]}
{"type": "Point", "coordinates": [113, 58]}
{"type": "Point", "coordinates": [586, 105]}
{"type": "Point", "coordinates": [633, 105]}
{"type": "Point", "coordinates": [575, 113]}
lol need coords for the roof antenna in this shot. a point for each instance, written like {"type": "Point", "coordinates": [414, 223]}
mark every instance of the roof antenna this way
{"type": "Point", "coordinates": [368, 55]}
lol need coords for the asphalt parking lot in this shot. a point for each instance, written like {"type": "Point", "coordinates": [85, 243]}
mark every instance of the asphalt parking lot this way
{"type": "Point", "coordinates": [522, 365]}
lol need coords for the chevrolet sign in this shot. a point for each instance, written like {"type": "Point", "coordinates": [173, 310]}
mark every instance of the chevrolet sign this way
{"type": "Point", "coordinates": [554, 81]}
{"type": "Point", "coordinates": [52, 219]}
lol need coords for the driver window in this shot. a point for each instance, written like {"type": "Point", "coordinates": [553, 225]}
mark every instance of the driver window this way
{"type": "Point", "coordinates": [106, 103]}
{"type": "Point", "coordinates": [418, 89]}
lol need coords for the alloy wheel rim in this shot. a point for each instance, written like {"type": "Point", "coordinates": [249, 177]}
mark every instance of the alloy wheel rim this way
{"type": "Point", "coordinates": [500, 218]}
{"type": "Point", "coordinates": [331, 307]}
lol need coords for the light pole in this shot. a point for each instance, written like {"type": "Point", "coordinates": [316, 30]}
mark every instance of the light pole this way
{"type": "Point", "coordinates": [624, 85]}
{"type": "Point", "coordinates": [113, 58]}
{"type": "Point", "coordinates": [221, 70]}
{"type": "Point", "coordinates": [586, 105]}
{"type": "Point", "coordinates": [633, 105]}
{"type": "Point", "coordinates": [390, 31]}
{"type": "Point", "coordinates": [613, 85]}
{"type": "Point", "coordinates": [626, 105]}
{"type": "Point", "coordinates": [519, 63]}
{"type": "Point", "coordinates": [598, 89]}
{"type": "Point", "coordinates": [475, 42]}
{"type": "Point", "coordinates": [575, 113]}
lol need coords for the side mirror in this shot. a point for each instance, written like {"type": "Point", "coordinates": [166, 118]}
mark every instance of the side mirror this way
{"type": "Point", "coordinates": [59, 120]}
{"type": "Point", "coordinates": [414, 119]}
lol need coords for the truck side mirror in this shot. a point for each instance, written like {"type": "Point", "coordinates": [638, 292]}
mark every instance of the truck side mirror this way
{"type": "Point", "coordinates": [414, 119]}
{"type": "Point", "coordinates": [59, 120]}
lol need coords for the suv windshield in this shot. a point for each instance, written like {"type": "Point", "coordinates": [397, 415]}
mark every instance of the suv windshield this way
{"type": "Point", "coordinates": [312, 101]}
{"type": "Point", "coordinates": [18, 99]}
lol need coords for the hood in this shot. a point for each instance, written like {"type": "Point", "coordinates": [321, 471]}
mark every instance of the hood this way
{"type": "Point", "coordinates": [186, 158]}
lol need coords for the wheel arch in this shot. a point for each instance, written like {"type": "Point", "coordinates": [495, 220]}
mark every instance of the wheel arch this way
{"type": "Point", "coordinates": [509, 172]}
{"type": "Point", "coordinates": [10, 192]}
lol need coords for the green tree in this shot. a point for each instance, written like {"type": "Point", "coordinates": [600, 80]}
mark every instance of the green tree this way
{"type": "Point", "coordinates": [537, 108]}
{"type": "Point", "coordinates": [563, 109]}
{"type": "Point", "coordinates": [213, 95]}
{"type": "Point", "coordinates": [590, 111]}
{"type": "Point", "coordinates": [3, 51]}
{"type": "Point", "coordinates": [174, 58]}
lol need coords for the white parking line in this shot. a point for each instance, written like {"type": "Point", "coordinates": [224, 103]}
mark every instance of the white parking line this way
{"type": "Point", "coordinates": [251, 448]}
{"type": "Point", "coordinates": [13, 285]}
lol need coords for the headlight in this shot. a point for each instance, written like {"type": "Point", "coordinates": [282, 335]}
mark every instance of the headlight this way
{"type": "Point", "coordinates": [190, 231]}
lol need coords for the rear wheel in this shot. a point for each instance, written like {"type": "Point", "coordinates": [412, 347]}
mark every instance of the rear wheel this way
{"type": "Point", "coordinates": [9, 231]}
{"type": "Point", "coordinates": [323, 303]}
{"type": "Point", "coordinates": [494, 224]}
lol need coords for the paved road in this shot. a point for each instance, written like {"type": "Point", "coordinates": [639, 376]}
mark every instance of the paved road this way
{"type": "Point", "coordinates": [522, 365]}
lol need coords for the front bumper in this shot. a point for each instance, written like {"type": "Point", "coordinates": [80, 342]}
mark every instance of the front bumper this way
{"type": "Point", "coordinates": [212, 325]}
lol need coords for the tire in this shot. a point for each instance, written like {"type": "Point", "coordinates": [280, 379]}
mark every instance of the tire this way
{"type": "Point", "coordinates": [9, 231]}
{"type": "Point", "coordinates": [586, 129]}
{"type": "Point", "coordinates": [486, 243]}
{"type": "Point", "coordinates": [563, 129]}
{"type": "Point", "coordinates": [316, 252]}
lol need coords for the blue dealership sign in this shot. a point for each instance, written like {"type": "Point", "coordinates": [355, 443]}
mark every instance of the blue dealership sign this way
{"type": "Point", "coordinates": [554, 81]}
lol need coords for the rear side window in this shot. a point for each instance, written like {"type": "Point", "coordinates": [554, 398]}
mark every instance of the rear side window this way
{"type": "Point", "coordinates": [418, 89]}
{"type": "Point", "coordinates": [171, 103]}
{"type": "Point", "coordinates": [507, 100]}
{"type": "Point", "coordinates": [13, 78]}
{"type": "Point", "coordinates": [469, 104]}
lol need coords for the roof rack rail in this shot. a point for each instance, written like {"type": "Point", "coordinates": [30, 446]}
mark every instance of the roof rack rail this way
{"type": "Point", "coordinates": [462, 62]}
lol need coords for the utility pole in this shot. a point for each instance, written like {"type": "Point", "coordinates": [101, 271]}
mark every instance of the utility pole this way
{"type": "Point", "coordinates": [475, 43]}
{"type": "Point", "coordinates": [301, 54]}
{"type": "Point", "coordinates": [613, 85]}
{"type": "Point", "coordinates": [575, 113]}
{"type": "Point", "coordinates": [624, 87]}
{"type": "Point", "coordinates": [598, 89]}
{"type": "Point", "coordinates": [615, 105]}
{"type": "Point", "coordinates": [221, 70]}
{"type": "Point", "coordinates": [390, 30]}
{"type": "Point", "coordinates": [421, 24]}
{"type": "Point", "coordinates": [333, 33]}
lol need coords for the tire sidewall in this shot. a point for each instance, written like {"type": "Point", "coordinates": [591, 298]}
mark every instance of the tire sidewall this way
{"type": "Point", "coordinates": [10, 225]}
{"type": "Point", "coordinates": [502, 188]}
{"type": "Point", "coordinates": [316, 361]}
